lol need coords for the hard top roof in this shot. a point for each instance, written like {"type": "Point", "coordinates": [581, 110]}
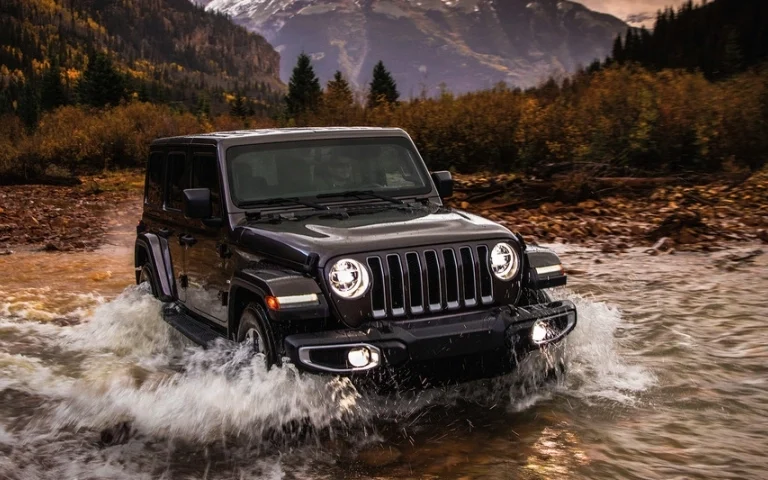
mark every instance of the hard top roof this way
{"type": "Point", "coordinates": [268, 135]}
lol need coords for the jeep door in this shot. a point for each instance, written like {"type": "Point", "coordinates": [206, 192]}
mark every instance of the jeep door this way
{"type": "Point", "coordinates": [174, 225]}
{"type": "Point", "coordinates": [206, 257]}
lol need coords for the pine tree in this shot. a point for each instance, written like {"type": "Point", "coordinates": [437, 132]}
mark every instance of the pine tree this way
{"type": "Point", "coordinates": [303, 88]}
{"type": "Point", "coordinates": [203, 107]}
{"type": "Point", "coordinates": [238, 106]}
{"type": "Point", "coordinates": [29, 105]}
{"type": "Point", "coordinates": [337, 100]}
{"type": "Point", "coordinates": [52, 93]}
{"type": "Point", "coordinates": [383, 87]}
{"type": "Point", "coordinates": [6, 104]}
{"type": "Point", "coordinates": [618, 50]}
{"type": "Point", "coordinates": [101, 84]}
{"type": "Point", "coordinates": [338, 91]}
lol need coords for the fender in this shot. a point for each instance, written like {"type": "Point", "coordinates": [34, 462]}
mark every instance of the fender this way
{"type": "Point", "coordinates": [279, 283]}
{"type": "Point", "coordinates": [545, 269]}
{"type": "Point", "coordinates": [156, 249]}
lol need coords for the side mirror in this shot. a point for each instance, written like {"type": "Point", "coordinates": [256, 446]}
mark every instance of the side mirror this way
{"type": "Point", "coordinates": [197, 203]}
{"type": "Point", "coordinates": [443, 182]}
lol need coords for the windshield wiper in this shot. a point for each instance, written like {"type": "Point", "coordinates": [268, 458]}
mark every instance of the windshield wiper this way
{"type": "Point", "coordinates": [284, 201]}
{"type": "Point", "coordinates": [362, 193]}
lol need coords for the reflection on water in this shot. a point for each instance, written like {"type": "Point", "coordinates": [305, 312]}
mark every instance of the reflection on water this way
{"type": "Point", "coordinates": [666, 378]}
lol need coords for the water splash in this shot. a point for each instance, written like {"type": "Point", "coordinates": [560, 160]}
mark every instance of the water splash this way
{"type": "Point", "coordinates": [127, 365]}
{"type": "Point", "coordinates": [597, 370]}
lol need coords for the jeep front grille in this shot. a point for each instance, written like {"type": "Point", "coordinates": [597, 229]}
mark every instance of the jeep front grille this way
{"type": "Point", "coordinates": [433, 280]}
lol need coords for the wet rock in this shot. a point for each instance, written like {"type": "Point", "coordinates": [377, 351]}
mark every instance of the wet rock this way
{"type": "Point", "coordinates": [677, 222]}
{"type": "Point", "coordinates": [686, 237]}
{"type": "Point", "coordinates": [662, 244]}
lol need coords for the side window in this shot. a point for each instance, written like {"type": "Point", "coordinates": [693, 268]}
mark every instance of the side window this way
{"type": "Point", "coordinates": [205, 174]}
{"type": "Point", "coordinates": [177, 180]}
{"type": "Point", "coordinates": [155, 173]}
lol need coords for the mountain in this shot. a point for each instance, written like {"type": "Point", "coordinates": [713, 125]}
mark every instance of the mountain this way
{"type": "Point", "coordinates": [467, 44]}
{"type": "Point", "coordinates": [169, 49]}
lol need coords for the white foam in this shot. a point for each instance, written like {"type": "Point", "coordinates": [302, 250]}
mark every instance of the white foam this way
{"type": "Point", "coordinates": [596, 368]}
{"type": "Point", "coordinates": [133, 367]}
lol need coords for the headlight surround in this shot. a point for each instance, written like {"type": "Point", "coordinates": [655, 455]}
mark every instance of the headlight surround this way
{"type": "Point", "coordinates": [349, 279]}
{"type": "Point", "coordinates": [504, 261]}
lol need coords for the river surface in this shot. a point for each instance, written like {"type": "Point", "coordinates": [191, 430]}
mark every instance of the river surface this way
{"type": "Point", "coordinates": [667, 378]}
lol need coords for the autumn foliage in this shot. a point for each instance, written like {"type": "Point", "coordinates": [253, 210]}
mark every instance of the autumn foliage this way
{"type": "Point", "coordinates": [621, 118]}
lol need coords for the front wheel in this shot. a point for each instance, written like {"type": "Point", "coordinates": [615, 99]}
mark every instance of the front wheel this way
{"type": "Point", "coordinates": [147, 278]}
{"type": "Point", "coordinates": [254, 332]}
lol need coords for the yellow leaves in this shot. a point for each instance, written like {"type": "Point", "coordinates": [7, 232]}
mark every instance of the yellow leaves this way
{"type": "Point", "coordinates": [72, 75]}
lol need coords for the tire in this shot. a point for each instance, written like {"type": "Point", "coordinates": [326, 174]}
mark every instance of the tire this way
{"type": "Point", "coordinates": [254, 329]}
{"type": "Point", "coordinates": [147, 274]}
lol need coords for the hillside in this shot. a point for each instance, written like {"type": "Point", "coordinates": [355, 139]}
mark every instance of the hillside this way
{"type": "Point", "coordinates": [465, 44]}
{"type": "Point", "coordinates": [169, 49]}
{"type": "Point", "coordinates": [719, 38]}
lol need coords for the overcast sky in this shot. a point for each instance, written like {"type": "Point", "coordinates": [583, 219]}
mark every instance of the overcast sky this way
{"type": "Point", "coordinates": [625, 8]}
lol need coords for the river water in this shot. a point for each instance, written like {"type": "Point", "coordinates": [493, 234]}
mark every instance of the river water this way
{"type": "Point", "coordinates": [667, 378]}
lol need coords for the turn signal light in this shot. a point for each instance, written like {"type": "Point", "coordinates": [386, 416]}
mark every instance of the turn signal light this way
{"type": "Point", "coordinates": [272, 302]}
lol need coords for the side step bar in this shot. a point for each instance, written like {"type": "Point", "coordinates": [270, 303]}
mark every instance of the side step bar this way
{"type": "Point", "coordinates": [190, 327]}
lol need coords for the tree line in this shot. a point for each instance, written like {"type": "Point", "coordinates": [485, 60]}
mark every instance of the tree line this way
{"type": "Point", "coordinates": [718, 38]}
{"type": "Point", "coordinates": [621, 120]}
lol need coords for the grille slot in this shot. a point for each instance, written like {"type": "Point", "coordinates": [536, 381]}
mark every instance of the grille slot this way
{"type": "Point", "coordinates": [396, 286]}
{"type": "Point", "coordinates": [486, 281]}
{"type": "Point", "coordinates": [415, 283]}
{"type": "Point", "coordinates": [434, 288]}
{"type": "Point", "coordinates": [451, 278]}
{"type": "Point", "coordinates": [468, 276]}
{"type": "Point", "coordinates": [378, 296]}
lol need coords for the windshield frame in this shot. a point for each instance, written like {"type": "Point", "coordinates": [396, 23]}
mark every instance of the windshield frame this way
{"type": "Point", "coordinates": [428, 190]}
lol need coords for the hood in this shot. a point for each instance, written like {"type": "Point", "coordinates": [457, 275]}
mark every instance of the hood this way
{"type": "Point", "coordinates": [294, 240]}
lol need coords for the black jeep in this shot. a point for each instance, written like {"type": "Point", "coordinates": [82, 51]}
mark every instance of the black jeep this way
{"type": "Point", "coordinates": [332, 247]}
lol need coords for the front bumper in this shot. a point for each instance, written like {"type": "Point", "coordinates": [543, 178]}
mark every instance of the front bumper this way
{"type": "Point", "coordinates": [395, 344]}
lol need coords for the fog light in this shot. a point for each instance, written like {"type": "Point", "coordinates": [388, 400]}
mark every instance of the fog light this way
{"type": "Point", "coordinates": [539, 332]}
{"type": "Point", "coordinates": [360, 357]}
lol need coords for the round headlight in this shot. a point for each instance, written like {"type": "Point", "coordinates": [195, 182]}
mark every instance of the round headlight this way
{"type": "Point", "coordinates": [349, 278]}
{"type": "Point", "coordinates": [504, 261]}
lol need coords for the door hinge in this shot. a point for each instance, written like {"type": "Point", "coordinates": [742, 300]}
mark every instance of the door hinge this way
{"type": "Point", "coordinates": [223, 250]}
{"type": "Point", "coordinates": [184, 281]}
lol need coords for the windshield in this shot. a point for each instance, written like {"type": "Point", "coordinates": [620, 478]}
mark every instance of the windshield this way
{"type": "Point", "coordinates": [309, 168]}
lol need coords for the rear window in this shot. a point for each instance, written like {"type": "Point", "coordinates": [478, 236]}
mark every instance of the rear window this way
{"type": "Point", "coordinates": [155, 173]}
{"type": "Point", "coordinates": [178, 180]}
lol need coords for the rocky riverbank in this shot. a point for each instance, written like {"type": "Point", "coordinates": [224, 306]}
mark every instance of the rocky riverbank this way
{"type": "Point", "coordinates": [68, 218]}
{"type": "Point", "coordinates": [653, 213]}
{"type": "Point", "coordinates": [662, 215]}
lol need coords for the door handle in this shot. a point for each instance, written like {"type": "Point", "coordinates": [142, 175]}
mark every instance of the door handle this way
{"type": "Point", "coordinates": [164, 232]}
{"type": "Point", "coordinates": [187, 240]}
